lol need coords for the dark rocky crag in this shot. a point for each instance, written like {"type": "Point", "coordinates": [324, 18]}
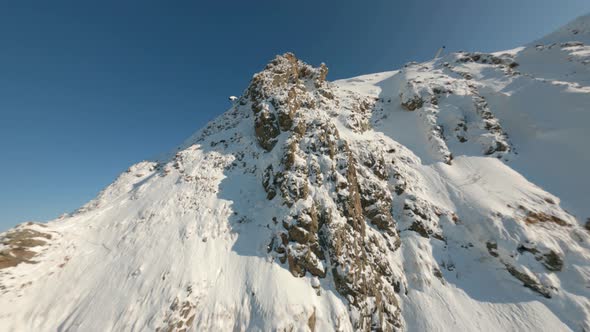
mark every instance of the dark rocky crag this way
{"type": "Point", "coordinates": [326, 238]}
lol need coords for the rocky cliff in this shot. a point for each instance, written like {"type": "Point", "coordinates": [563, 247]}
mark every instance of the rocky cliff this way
{"type": "Point", "coordinates": [398, 201]}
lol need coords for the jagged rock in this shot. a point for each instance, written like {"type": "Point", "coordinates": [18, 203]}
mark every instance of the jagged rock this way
{"type": "Point", "coordinates": [323, 73]}
{"type": "Point", "coordinates": [419, 228]}
{"type": "Point", "coordinates": [413, 103]}
{"type": "Point", "coordinates": [287, 110]}
{"type": "Point", "coordinates": [298, 234]}
{"type": "Point", "coordinates": [274, 97]}
{"type": "Point", "coordinates": [326, 93]}
{"type": "Point", "coordinates": [293, 181]}
{"type": "Point", "coordinates": [535, 217]}
{"type": "Point", "coordinates": [377, 164]}
{"type": "Point", "coordinates": [312, 236]}
{"type": "Point", "coordinates": [351, 198]}
{"type": "Point", "coordinates": [552, 261]}
{"type": "Point", "coordinates": [268, 183]}
{"type": "Point", "coordinates": [492, 248]}
{"type": "Point", "coordinates": [266, 129]}
{"type": "Point", "coordinates": [295, 266]}
{"type": "Point", "coordinates": [528, 281]}
{"type": "Point", "coordinates": [376, 205]}
{"type": "Point", "coordinates": [330, 216]}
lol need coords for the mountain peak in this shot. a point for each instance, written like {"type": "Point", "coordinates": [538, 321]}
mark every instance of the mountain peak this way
{"type": "Point", "coordinates": [386, 202]}
{"type": "Point", "coordinates": [282, 89]}
{"type": "Point", "coordinates": [287, 67]}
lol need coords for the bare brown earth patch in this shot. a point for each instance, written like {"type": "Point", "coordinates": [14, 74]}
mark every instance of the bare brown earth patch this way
{"type": "Point", "coordinates": [17, 244]}
{"type": "Point", "coordinates": [534, 217]}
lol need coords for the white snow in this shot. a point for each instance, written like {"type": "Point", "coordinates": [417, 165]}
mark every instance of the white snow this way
{"type": "Point", "coordinates": [186, 239]}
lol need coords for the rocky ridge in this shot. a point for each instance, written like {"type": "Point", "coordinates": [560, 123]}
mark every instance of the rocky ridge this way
{"type": "Point", "coordinates": [306, 207]}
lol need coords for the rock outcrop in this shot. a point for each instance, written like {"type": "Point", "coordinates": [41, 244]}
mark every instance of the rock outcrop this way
{"type": "Point", "coordinates": [385, 202]}
{"type": "Point", "coordinates": [325, 234]}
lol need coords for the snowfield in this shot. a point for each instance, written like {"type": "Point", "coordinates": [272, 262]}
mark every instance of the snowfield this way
{"type": "Point", "coordinates": [450, 195]}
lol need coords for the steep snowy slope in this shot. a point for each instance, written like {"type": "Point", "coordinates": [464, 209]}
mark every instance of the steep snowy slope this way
{"type": "Point", "coordinates": [448, 195]}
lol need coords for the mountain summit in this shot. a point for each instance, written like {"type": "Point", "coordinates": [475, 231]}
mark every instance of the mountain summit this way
{"type": "Point", "coordinates": [447, 195]}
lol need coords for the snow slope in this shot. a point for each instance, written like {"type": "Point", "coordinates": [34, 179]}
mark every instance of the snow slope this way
{"type": "Point", "coordinates": [448, 195]}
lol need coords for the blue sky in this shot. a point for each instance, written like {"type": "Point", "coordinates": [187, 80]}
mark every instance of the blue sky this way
{"type": "Point", "coordinates": [88, 88]}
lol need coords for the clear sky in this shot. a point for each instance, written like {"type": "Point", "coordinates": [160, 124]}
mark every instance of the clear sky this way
{"type": "Point", "coordinates": [87, 88]}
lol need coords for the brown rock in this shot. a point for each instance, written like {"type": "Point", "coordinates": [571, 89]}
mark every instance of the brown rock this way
{"type": "Point", "coordinates": [311, 321]}
{"type": "Point", "coordinates": [413, 104]}
{"type": "Point", "coordinates": [552, 261]}
{"type": "Point", "coordinates": [266, 130]}
{"type": "Point", "coordinates": [528, 281]}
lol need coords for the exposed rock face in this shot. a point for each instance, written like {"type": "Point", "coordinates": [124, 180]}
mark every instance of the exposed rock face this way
{"type": "Point", "coordinates": [341, 222]}
{"type": "Point", "coordinates": [339, 193]}
{"type": "Point", "coordinates": [426, 94]}
{"type": "Point", "coordinates": [180, 315]}
{"type": "Point", "coordinates": [326, 236]}
{"type": "Point", "coordinates": [413, 103]}
{"type": "Point", "coordinates": [552, 261]}
{"type": "Point", "coordinates": [529, 281]}
{"type": "Point", "coordinates": [317, 205]}
{"type": "Point", "coordinates": [266, 128]}
{"type": "Point", "coordinates": [278, 92]}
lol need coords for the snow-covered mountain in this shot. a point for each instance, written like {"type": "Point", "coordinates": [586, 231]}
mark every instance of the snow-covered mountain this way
{"type": "Point", "coordinates": [450, 195]}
